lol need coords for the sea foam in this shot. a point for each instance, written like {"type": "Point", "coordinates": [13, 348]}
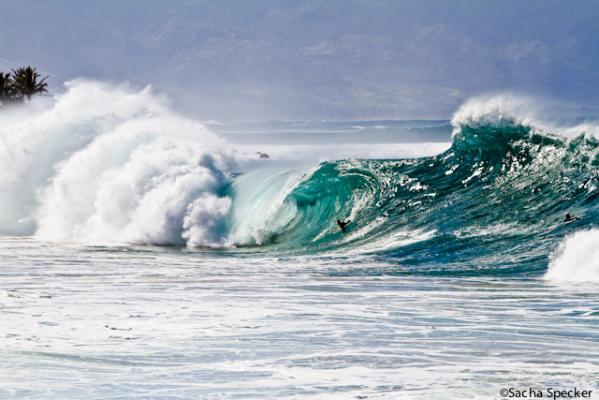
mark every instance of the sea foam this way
{"type": "Point", "coordinates": [112, 164]}
{"type": "Point", "coordinates": [576, 259]}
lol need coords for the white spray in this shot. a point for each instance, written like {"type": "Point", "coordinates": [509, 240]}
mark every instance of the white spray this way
{"type": "Point", "coordinates": [111, 164]}
{"type": "Point", "coordinates": [576, 259]}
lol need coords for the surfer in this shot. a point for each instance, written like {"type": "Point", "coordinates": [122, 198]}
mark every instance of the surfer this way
{"type": "Point", "coordinates": [569, 218]}
{"type": "Point", "coordinates": [343, 225]}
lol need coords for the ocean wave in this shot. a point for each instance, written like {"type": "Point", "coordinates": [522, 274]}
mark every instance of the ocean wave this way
{"type": "Point", "coordinates": [503, 170]}
{"type": "Point", "coordinates": [113, 164]}
{"type": "Point", "coordinates": [576, 259]}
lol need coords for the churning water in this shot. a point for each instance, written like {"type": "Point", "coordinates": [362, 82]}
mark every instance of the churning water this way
{"type": "Point", "coordinates": [143, 256]}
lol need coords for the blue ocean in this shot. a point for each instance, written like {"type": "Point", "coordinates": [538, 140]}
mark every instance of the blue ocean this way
{"type": "Point", "coordinates": [148, 255]}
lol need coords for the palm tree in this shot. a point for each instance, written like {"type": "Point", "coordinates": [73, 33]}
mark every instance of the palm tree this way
{"type": "Point", "coordinates": [7, 88]}
{"type": "Point", "coordinates": [26, 82]}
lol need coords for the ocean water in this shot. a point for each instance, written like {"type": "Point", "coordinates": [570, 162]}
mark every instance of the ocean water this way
{"type": "Point", "coordinates": [147, 255]}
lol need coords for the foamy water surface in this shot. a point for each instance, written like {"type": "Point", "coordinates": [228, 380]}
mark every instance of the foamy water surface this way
{"type": "Point", "coordinates": [95, 322]}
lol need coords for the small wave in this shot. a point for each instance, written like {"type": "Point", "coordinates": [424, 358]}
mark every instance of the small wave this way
{"type": "Point", "coordinates": [576, 259]}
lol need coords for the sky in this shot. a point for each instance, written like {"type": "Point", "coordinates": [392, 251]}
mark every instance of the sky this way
{"type": "Point", "coordinates": [295, 60]}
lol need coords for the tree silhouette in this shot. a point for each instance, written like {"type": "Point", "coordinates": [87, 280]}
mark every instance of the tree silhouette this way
{"type": "Point", "coordinates": [27, 83]}
{"type": "Point", "coordinates": [7, 88]}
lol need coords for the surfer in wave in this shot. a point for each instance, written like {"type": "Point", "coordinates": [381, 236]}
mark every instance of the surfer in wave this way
{"type": "Point", "coordinates": [569, 218]}
{"type": "Point", "coordinates": [343, 225]}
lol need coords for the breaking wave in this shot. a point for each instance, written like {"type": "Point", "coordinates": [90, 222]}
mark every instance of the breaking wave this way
{"type": "Point", "coordinates": [493, 203]}
{"type": "Point", "coordinates": [112, 164]}
{"type": "Point", "coordinates": [577, 258]}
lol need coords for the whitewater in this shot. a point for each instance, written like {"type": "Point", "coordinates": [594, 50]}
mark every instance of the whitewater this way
{"type": "Point", "coordinates": [145, 254]}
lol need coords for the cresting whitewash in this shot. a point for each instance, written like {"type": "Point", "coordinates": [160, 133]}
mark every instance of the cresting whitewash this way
{"type": "Point", "coordinates": [112, 164]}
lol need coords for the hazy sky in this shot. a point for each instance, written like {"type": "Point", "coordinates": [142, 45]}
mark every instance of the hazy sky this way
{"type": "Point", "coordinates": [256, 60]}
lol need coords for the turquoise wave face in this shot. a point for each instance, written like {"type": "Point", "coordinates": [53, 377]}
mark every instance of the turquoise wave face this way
{"type": "Point", "coordinates": [493, 203]}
